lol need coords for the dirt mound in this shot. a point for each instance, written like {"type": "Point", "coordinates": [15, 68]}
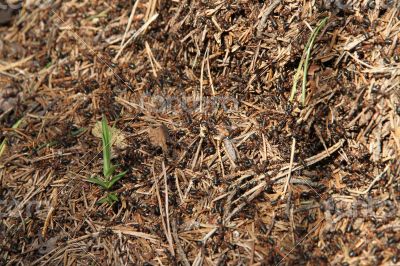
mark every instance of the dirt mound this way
{"type": "Point", "coordinates": [223, 169]}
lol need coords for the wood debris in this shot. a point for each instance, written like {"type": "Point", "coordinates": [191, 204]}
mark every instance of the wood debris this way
{"type": "Point", "coordinates": [220, 167]}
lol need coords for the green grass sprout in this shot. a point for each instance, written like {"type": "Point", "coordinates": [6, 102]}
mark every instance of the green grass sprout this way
{"type": "Point", "coordinates": [108, 169]}
{"type": "Point", "coordinates": [109, 199]}
{"type": "Point", "coordinates": [304, 63]}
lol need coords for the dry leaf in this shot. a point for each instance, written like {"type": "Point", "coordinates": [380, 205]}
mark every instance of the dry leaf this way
{"type": "Point", "coordinates": [118, 138]}
{"type": "Point", "coordinates": [159, 137]}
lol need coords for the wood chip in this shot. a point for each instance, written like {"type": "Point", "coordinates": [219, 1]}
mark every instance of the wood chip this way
{"type": "Point", "coordinates": [159, 136]}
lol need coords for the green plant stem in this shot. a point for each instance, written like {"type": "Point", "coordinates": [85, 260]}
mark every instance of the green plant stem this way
{"type": "Point", "coordinates": [304, 62]}
{"type": "Point", "coordinates": [4, 142]}
{"type": "Point", "coordinates": [108, 168]}
{"type": "Point", "coordinates": [308, 55]}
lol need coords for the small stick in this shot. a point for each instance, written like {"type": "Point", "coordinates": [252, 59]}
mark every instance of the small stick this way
{"type": "Point", "coordinates": [290, 168]}
{"type": "Point", "coordinates": [179, 248]}
{"type": "Point", "coordinates": [127, 27]}
{"type": "Point", "coordinates": [264, 17]}
{"type": "Point", "coordinates": [125, 230]}
{"type": "Point", "coordinates": [152, 60]}
{"type": "Point", "coordinates": [376, 179]}
{"type": "Point", "coordinates": [220, 158]}
{"type": "Point", "coordinates": [171, 244]}
{"type": "Point", "coordinates": [260, 188]}
{"type": "Point", "coordinates": [201, 78]}
{"type": "Point", "coordinates": [162, 213]}
{"type": "Point", "coordinates": [136, 34]}
{"type": "Point", "coordinates": [54, 198]}
{"type": "Point", "coordinates": [196, 156]}
{"type": "Point", "coordinates": [319, 135]}
{"type": "Point", "coordinates": [15, 64]}
{"type": "Point", "coordinates": [299, 181]}
{"type": "Point", "coordinates": [209, 74]}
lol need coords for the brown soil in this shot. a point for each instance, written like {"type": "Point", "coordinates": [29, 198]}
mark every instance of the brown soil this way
{"type": "Point", "coordinates": [222, 168]}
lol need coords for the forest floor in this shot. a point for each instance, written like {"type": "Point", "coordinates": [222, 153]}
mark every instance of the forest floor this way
{"type": "Point", "coordinates": [222, 168]}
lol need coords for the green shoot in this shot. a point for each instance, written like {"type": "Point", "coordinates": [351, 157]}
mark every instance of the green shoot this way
{"type": "Point", "coordinates": [108, 169]}
{"type": "Point", "coordinates": [107, 184]}
{"type": "Point", "coordinates": [4, 142]}
{"type": "Point", "coordinates": [78, 131]}
{"type": "Point", "coordinates": [304, 63]}
{"type": "Point", "coordinates": [111, 198]}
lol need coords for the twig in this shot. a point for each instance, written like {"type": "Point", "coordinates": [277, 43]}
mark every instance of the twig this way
{"type": "Point", "coordinates": [127, 27]}
{"type": "Point", "coordinates": [376, 179]}
{"type": "Point", "coordinates": [264, 17]}
{"type": "Point", "coordinates": [311, 160]}
{"type": "Point", "coordinates": [15, 64]}
{"type": "Point", "coordinates": [128, 231]}
{"type": "Point", "coordinates": [261, 187]}
{"type": "Point", "coordinates": [201, 78]}
{"type": "Point", "coordinates": [290, 168]}
{"type": "Point", "coordinates": [54, 197]}
{"type": "Point", "coordinates": [162, 213]}
{"type": "Point", "coordinates": [171, 244]}
{"type": "Point", "coordinates": [179, 248]}
{"type": "Point", "coordinates": [136, 34]}
{"type": "Point", "coordinates": [154, 64]}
